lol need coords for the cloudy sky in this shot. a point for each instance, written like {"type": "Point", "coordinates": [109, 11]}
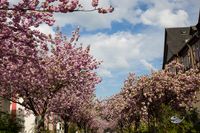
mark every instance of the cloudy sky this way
{"type": "Point", "coordinates": [131, 39]}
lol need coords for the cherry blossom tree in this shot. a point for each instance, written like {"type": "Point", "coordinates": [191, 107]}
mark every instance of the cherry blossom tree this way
{"type": "Point", "coordinates": [19, 42]}
{"type": "Point", "coordinates": [110, 111]}
{"type": "Point", "coordinates": [142, 98]}
{"type": "Point", "coordinates": [173, 87]}
{"type": "Point", "coordinates": [36, 66]}
{"type": "Point", "coordinates": [76, 104]}
{"type": "Point", "coordinates": [96, 118]}
{"type": "Point", "coordinates": [67, 67]}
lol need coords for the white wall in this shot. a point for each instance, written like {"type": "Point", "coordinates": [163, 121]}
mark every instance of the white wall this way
{"type": "Point", "coordinates": [29, 120]}
{"type": "Point", "coordinates": [29, 123]}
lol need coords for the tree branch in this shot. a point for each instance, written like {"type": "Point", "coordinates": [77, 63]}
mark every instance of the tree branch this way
{"type": "Point", "coordinates": [48, 11]}
{"type": "Point", "coordinates": [15, 101]}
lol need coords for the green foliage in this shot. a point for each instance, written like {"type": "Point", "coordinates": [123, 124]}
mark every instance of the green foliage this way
{"type": "Point", "coordinates": [72, 128]}
{"type": "Point", "coordinates": [143, 128]}
{"type": "Point", "coordinates": [9, 124]}
{"type": "Point", "coordinates": [162, 123]}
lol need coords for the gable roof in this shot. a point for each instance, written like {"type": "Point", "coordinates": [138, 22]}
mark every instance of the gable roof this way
{"type": "Point", "coordinates": [175, 40]}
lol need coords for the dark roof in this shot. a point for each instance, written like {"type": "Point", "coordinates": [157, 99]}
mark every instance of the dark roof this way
{"type": "Point", "coordinates": [175, 40]}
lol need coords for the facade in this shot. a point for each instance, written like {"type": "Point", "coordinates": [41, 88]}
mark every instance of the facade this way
{"type": "Point", "coordinates": [19, 112]}
{"type": "Point", "coordinates": [28, 120]}
{"type": "Point", "coordinates": [183, 45]}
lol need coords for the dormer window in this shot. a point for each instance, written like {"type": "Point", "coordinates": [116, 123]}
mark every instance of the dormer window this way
{"type": "Point", "coordinates": [183, 32]}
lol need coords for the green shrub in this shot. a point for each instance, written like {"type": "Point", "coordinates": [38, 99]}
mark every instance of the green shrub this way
{"type": "Point", "coordinates": [8, 124]}
{"type": "Point", "coordinates": [162, 121]}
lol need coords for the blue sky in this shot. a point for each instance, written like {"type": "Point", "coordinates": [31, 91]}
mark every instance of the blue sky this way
{"type": "Point", "coordinates": [131, 39]}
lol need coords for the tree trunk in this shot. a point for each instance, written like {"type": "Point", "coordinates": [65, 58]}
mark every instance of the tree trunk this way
{"type": "Point", "coordinates": [148, 122]}
{"type": "Point", "coordinates": [66, 127]}
{"type": "Point", "coordinates": [129, 129]}
{"type": "Point", "coordinates": [85, 128]}
{"type": "Point", "coordinates": [39, 122]}
{"type": "Point", "coordinates": [137, 124]}
{"type": "Point", "coordinates": [121, 128]}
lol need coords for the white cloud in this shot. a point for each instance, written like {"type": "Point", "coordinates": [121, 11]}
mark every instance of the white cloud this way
{"type": "Point", "coordinates": [170, 13]}
{"type": "Point", "coordinates": [115, 50]}
{"type": "Point", "coordinates": [162, 13]}
{"type": "Point", "coordinates": [148, 65]}
{"type": "Point", "coordinates": [44, 28]}
{"type": "Point", "coordinates": [104, 73]}
{"type": "Point", "coordinates": [94, 20]}
{"type": "Point", "coordinates": [165, 18]}
{"type": "Point", "coordinates": [158, 12]}
{"type": "Point", "coordinates": [123, 51]}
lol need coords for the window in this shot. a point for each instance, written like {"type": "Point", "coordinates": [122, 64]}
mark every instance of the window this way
{"type": "Point", "coordinates": [183, 32]}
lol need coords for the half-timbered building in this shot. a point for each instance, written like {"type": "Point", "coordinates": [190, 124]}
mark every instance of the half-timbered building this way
{"type": "Point", "coordinates": [183, 45]}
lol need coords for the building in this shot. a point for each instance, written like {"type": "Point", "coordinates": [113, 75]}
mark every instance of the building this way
{"type": "Point", "coordinates": [27, 119]}
{"type": "Point", "coordinates": [183, 45]}
{"type": "Point", "coordinates": [19, 113]}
